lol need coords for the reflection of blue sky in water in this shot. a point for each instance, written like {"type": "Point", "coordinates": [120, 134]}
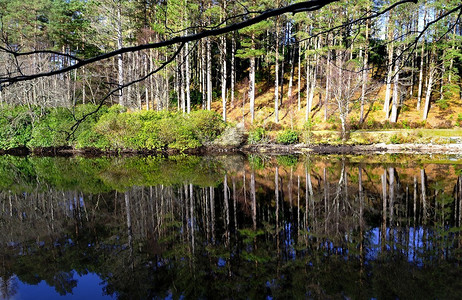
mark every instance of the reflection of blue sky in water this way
{"type": "Point", "coordinates": [89, 286]}
{"type": "Point", "coordinates": [413, 251]}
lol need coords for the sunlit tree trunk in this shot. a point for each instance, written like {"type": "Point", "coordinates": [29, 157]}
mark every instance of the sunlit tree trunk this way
{"type": "Point", "coordinates": [252, 81]}
{"type": "Point", "coordinates": [223, 75]}
{"type": "Point", "coordinates": [394, 107]}
{"type": "Point", "coordinates": [365, 72]}
{"type": "Point", "coordinates": [276, 75]}
{"type": "Point", "coordinates": [431, 74]}
{"type": "Point", "coordinates": [187, 79]}
{"type": "Point", "coordinates": [120, 67]}
{"type": "Point", "coordinates": [209, 73]}
{"type": "Point", "coordinates": [233, 50]}
{"type": "Point", "coordinates": [299, 76]}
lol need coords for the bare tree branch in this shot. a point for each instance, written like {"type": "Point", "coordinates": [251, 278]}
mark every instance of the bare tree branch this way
{"type": "Point", "coordinates": [77, 123]}
{"type": "Point", "coordinates": [293, 8]}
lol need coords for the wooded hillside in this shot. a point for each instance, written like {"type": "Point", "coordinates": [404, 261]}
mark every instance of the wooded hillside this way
{"type": "Point", "coordinates": [348, 62]}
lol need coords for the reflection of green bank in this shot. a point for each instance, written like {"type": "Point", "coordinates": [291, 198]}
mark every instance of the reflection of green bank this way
{"type": "Point", "coordinates": [216, 227]}
{"type": "Point", "coordinates": [97, 175]}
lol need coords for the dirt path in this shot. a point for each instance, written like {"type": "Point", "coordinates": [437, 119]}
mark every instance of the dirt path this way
{"type": "Point", "coordinates": [355, 149]}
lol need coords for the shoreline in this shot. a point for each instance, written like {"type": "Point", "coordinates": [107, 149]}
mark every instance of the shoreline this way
{"type": "Point", "coordinates": [269, 149]}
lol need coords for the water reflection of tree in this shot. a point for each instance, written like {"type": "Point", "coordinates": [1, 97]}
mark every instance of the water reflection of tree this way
{"type": "Point", "coordinates": [338, 226]}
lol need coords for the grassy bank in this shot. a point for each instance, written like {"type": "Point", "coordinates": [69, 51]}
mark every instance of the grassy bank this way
{"type": "Point", "coordinates": [115, 129]}
{"type": "Point", "coordinates": [111, 128]}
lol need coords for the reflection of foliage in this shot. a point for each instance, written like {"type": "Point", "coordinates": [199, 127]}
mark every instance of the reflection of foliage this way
{"type": "Point", "coordinates": [104, 174]}
{"type": "Point", "coordinates": [287, 160]}
{"type": "Point", "coordinates": [257, 162]}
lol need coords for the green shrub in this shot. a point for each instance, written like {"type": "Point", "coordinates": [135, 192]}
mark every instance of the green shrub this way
{"type": "Point", "coordinates": [206, 125]}
{"type": "Point", "coordinates": [119, 129]}
{"type": "Point", "coordinates": [395, 139]}
{"type": "Point", "coordinates": [287, 136]}
{"type": "Point", "coordinates": [307, 131]}
{"type": "Point", "coordinates": [53, 128]}
{"type": "Point", "coordinates": [85, 135]}
{"type": "Point", "coordinates": [442, 103]}
{"type": "Point", "coordinates": [15, 126]}
{"type": "Point", "coordinates": [257, 135]}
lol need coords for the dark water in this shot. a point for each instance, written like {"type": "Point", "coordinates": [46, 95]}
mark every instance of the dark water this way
{"type": "Point", "coordinates": [316, 227]}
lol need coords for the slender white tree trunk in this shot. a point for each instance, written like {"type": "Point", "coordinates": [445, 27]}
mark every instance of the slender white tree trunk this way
{"type": "Point", "coordinates": [419, 93]}
{"type": "Point", "coordinates": [187, 79]}
{"type": "Point", "coordinates": [299, 77]}
{"type": "Point", "coordinates": [252, 81]}
{"type": "Point", "coordinates": [233, 50]}
{"type": "Point", "coordinates": [291, 77]}
{"type": "Point", "coordinates": [120, 67]}
{"type": "Point", "coordinates": [365, 74]}
{"type": "Point", "coordinates": [394, 107]}
{"type": "Point", "coordinates": [276, 75]}
{"type": "Point", "coordinates": [428, 94]}
{"type": "Point", "coordinates": [223, 76]}
{"type": "Point", "coordinates": [209, 74]}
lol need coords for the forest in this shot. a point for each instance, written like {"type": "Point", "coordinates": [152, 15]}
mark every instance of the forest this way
{"type": "Point", "coordinates": [275, 66]}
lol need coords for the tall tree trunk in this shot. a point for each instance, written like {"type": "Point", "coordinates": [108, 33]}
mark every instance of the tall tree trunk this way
{"type": "Point", "coordinates": [394, 107]}
{"type": "Point", "coordinates": [419, 93]}
{"type": "Point", "coordinates": [291, 77]}
{"type": "Point", "coordinates": [328, 74]}
{"type": "Point", "coordinates": [365, 72]}
{"type": "Point", "coordinates": [120, 67]}
{"type": "Point", "coordinates": [299, 76]}
{"type": "Point", "coordinates": [187, 79]}
{"type": "Point", "coordinates": [390, 52]}
{"type": "Point", "coordinates": [223, 76]}
{"type": "Point", "coordinates": [422, 56]}
{"type": "Point", "coordinates": [431, 74]}
{"type": "Point", "coordinates": [252, 81]}
{"type": "Point", "coordinates": [276, 75]}
{"type": "Point", "coordinates": [209, 74]}
{"type": "Point", "coordinates": [233, 50]}
{"type": "Point", "coordinates": [182, 73]}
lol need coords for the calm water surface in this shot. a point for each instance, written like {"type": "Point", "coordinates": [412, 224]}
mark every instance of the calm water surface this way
{"type": "Point", "coordinates": [257, 227]}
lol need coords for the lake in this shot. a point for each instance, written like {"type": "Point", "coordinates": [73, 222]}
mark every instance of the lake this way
{"type": "Point", "coordinates": [240, 227]}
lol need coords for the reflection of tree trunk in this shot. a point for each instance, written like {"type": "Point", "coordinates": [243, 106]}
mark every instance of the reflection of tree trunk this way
{"type": "Point", "coordinates": [361, 221]}
{"type": "Point", "coordinates": [326, 196]}
{"type": "Point", "coordinates": [309, 197]}
{"type": "Point", "coordinates": [254, 200]}
{"type": "Point", "coordinates": [384, 209]}
{"type": "Point", "coordinates": [129, 227]}
{"type": "Point", "coordinates": [290, 191]}
{"type": "Point", "coordinates": [423, 195]}
{"type": "Point", "coordinates": [191, 215]}
{"type": "Point", "coordinates": [415, 201]}
{"type": "Point", "coordinates": [298, 204]}
{"type": "Point", "coordinates": [391, 186]}
{"type": "Point", "coordinates": [460, 202]}
{"type": "Point", "coordinates": [234, 205]}
{"type": "Point", "coordinates": [276, 193]}
{"type": "Point", "coordinates": [212, 212]}
{"type": "Point", "coordinates": [225, 187]}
